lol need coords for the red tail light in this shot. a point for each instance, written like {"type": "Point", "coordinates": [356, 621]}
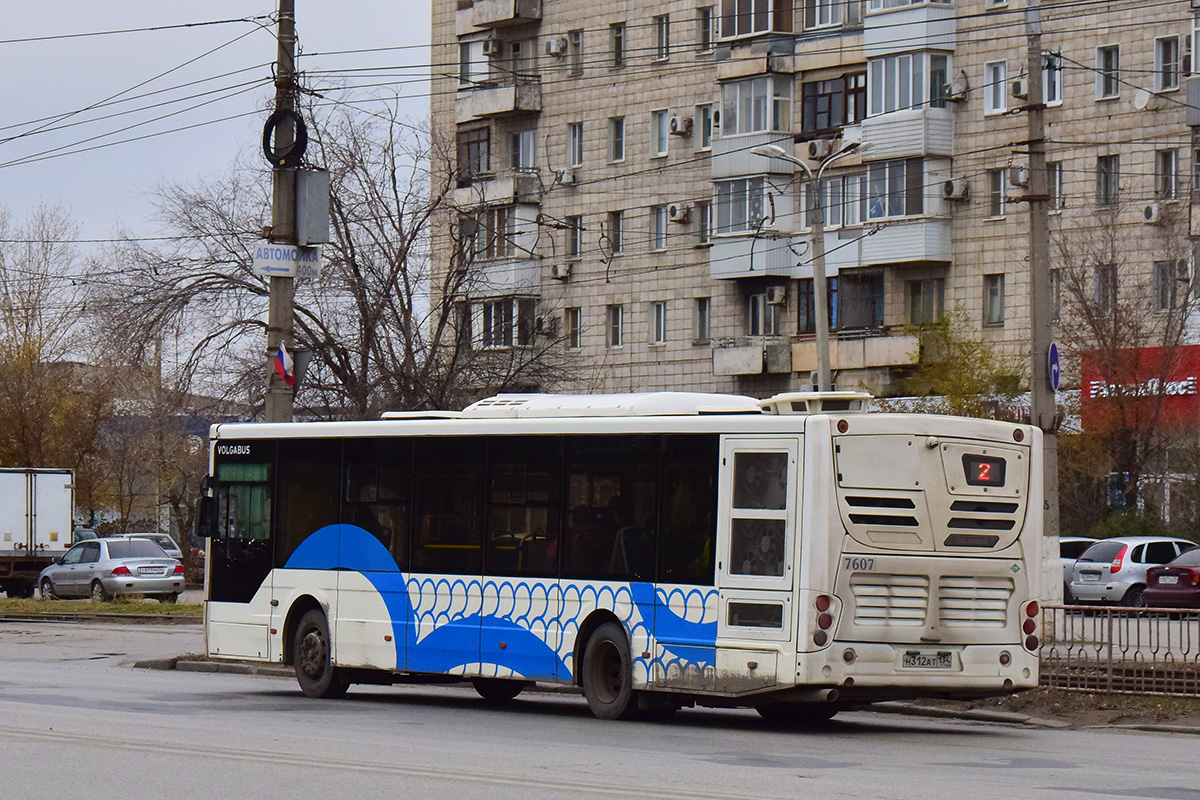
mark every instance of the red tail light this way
{"type": "Point", "coordinates": [178, 569]}
{"type": "Point", "coordinates": [1116, 562]}
{"type": "Point", "coordinates": [1195, 574]}
{"type": "Point", "coordinates": [122, 570]}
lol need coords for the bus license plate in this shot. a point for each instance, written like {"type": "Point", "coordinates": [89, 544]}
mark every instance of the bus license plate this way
{"type": "Point", "coordinates": [1168, 580]}
{"type": "Point", "coordinates": [916, 660]}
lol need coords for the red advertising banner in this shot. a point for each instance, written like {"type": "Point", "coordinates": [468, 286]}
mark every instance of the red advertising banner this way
{"type": "Point", "coordinates": [1139, 386]}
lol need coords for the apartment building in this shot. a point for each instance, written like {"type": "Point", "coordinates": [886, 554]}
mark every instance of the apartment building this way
{"type": "Point", "coordinates": [615, 199]}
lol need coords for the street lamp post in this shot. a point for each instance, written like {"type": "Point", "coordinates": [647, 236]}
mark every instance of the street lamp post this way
{"type": "Point", "coordinates": [820, 290]}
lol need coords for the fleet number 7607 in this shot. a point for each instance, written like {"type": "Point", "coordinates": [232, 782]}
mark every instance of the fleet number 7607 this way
{"type": "Point", "coordinates": [859, 563]}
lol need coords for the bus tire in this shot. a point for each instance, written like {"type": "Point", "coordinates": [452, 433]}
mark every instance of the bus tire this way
{"type": "Point", "coordinates": [796, 715]}
{"type": "Point", "coordinates": [497, 690]}
{"type": "Point", "coordinates": [315, 672]}
{"type": "Point", "coordinates": [608, 674]}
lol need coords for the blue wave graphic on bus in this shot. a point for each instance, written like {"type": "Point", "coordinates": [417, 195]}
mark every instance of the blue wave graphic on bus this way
{"type": "Point", "coordinates": [506, 634]}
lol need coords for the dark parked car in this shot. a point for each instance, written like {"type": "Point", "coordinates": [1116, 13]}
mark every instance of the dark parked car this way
{"type": "Point", "coordinates": [1177, 584]}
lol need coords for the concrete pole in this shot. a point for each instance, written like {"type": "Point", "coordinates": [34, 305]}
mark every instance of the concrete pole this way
{"type": "Point", "coordinates": [1042, 405]}
{"type": "Point", "coordinates": [279, 398]}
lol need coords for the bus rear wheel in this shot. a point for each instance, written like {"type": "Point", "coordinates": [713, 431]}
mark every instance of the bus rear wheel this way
{"type": "Point", "coordinates": [497, 690]}
{"type": "Point", "coordinates": [608, 674]}
{"type": "Point", "coordinates": [315, 672]}
{"type": "Point", "coordinates": [796, 715]}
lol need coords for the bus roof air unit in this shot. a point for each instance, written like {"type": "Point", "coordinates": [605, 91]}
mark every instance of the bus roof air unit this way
{"type": "Point", "coordinates": [816, 403]}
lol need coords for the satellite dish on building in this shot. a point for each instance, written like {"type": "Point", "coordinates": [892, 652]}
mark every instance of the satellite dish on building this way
{"type": "Point", "coordinates": [1143, 100]}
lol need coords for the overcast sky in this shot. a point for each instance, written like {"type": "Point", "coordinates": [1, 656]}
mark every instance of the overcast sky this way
{"type": "Point", "coordinates": [211, 82]}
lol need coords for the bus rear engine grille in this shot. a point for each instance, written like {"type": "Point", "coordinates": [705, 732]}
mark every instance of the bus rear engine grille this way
{"type": "Point", "coordinates": [885, 511]}
{"type": "Point", "coordinates": [973, 601]}
{"type": "Point", "coordinates": [890, 599]}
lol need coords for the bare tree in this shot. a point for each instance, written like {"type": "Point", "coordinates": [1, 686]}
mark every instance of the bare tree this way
{"type": "Point", "coordinates": [386, 328]}
{"type": "Point", "coordinates": [1125, 308]}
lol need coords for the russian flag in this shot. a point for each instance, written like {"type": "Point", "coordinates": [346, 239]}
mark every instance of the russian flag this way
{"type": "Point", "coordinates": [284, 366]}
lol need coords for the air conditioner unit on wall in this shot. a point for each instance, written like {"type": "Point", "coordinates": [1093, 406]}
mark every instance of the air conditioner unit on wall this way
{"type": "Point", "coordinates": [566, 176]}
{"type": "Point", "coordinates": [776, 295]}
{"type": "Point", "coordinates": [680, 125]}
{"type": "Point", "coordinates": [819, 148]}
{"type": "Point", "coordinates": [561, 271]}
{"type": "Point", "coordinates": [491, 47]}
{"type": "Point", "coordinates": [1151, 214]}
{"type": "Point", "coordinates": [556, 46]}
{"type": "Point", "coordinates": [1020, 88]}
{"type": "Point", "coordinates": [1018, 175]}
{"type": "Point", "coordinates": [955, 189]}
{"type": "Point", "coordinates": [678, 212]}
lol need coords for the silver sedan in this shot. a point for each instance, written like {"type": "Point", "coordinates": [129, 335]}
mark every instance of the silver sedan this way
{"type": "Point", "coordinates": [105, 568]}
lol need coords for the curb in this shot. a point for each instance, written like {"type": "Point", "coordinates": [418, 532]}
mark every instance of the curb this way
{"type": "Point", "coordinates": [72, 616]}
{"type": "Point", "coordinates": [974, 715]}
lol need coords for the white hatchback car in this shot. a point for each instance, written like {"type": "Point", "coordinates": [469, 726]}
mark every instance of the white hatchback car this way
{"type": "Point", "coordinates": [1114, 570]}
{"type": "Point", "coordinates": [1071, 548]}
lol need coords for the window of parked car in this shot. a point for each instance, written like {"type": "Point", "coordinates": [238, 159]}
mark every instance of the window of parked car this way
{"type": "Point", "coordinates": [1190, 558]}
{"type": "Point", "coordinates": [135, 548]}
{"type": "Point", "coordinates": [1073, 549]}
{"type": "Point", "coordinates": [1102, 551]}
{"type": "Point", "coordinates": [1160, 552]}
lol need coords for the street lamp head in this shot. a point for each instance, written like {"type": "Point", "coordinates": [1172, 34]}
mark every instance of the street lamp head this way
{"type": "Point", "coordinates": [770, 151]}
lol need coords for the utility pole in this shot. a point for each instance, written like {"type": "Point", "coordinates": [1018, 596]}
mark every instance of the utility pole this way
{"type": "Point", "coordinates": [279, 396]}
{"type": "Point", "coordinates": [1043, 410]}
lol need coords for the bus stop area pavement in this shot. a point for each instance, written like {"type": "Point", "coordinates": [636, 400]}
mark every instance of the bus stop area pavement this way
{"type": "Point", "coordinates": [1081, 710]}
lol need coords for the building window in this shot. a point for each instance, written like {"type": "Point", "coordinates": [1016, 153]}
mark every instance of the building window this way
{"type": "Point", "coordinates": [898, 82]}
{"type": "Point", "coordinates": [860, 299]}
{"type": "Point", "coordinates": [573, 323]}
{"type": "Point", "coordinates": [704, 122]}
{"type": "Point", "coordinates": [704, 221]}
{"type": "Point", "coordinates": [1108, 72]}
{"type": "Point", "coordinates": [739, 205]}
{"type": "Point", "coordinates": [575, 51]}
{"type": "Point", "coordinates": [507, 321]}
{"type": "Point", "coordinates": [1054, 185]}
{"type": "Point", "coordinates": [616, 231]}
{"type": "Point", "coordinates": [1166, 64]}
{"type": "Point", "coordinates": [1052, 78]}
{"type": "Point", "coordinates": [880, 5]}
{"type": "Point", "coordinates": [616, 139]}
{"type": "Point", "coordinates": [702, 320]}
{"type": "Point", "coordinates": [1108, 179]}
{"type": "Point", "coordinates": [658, 228]}
{"type": "Point", "coordinates": [616, 330]}
{"type": "Point", "coordinates": [1170, 284]}
{"type": "Point", "coordinates": [993, 299]}
{"type": "Point", "coordinates": [616, 45]}
{"type": "Point", "coordinates": [472, 64]}
{"type": "Point", "coordinates": [995, 87]}
{"type": "Point", "coordinates": [491, 233]}
{"type": "Point", "coordinates": [523, 61]}
{"type": "Point", "coordinates": [662, 37]}
{"type": "Point", "coordinates": [756, 105]}
{"type": "Point", "coordinates": [1105, 289]}
{"type": "Point", "coordinates": [1166, 174]}
{"type": "Point", "coordinates": [575, 143]}
{"type": "Point", "coordinates": [997, 191]}
{"type": "Point", "coordinates": [806, 304]}
{"type": "Point", "coordinates": [524, 151]}
{"type": "Point", "coordinates": [748, 17]}
{"type": "Point", "coordinates": [824, 105]}
{"type": "Point", "coordinates": [574, 227]}
{"type": "Point", "coordinates": [939, 79]}
{"type": "Point", "coordinates": [706, 32]}
{"type": "Point", "coordinates": [658, 322]}
{"type": "Point", "coordinates": [474, 155]}
{"type": "Point", "coordinates": [762, 318]}
{"type": "Point", "coordinates": [658, 133]}
{"type": "Point", "coordinates": [926, 300]}
{"type": "Point", "coordinates": [822, 13]}
{"type": "Point", "coordinates": [856, 97]}
{"type": "Point", "coordinates": [843, 200]}
{"type": "Point", "coordinates": [895, 188]}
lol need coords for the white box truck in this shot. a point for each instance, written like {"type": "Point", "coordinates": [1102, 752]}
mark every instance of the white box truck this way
{"type": "Point", "coordinates": [36, 513]}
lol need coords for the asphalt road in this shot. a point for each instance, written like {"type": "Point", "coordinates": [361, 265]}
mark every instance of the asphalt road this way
{"type": "Point", "coordinates": [76, 719]}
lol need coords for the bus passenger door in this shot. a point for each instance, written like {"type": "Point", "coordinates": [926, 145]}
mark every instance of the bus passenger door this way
{"type": "Point", "coordinates": [756, 557]}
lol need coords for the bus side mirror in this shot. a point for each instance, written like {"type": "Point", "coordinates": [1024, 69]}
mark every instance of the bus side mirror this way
{"type": "Point", "coordinates": [206, 517]}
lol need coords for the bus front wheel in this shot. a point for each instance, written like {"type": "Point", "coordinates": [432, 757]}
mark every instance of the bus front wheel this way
{"type": "Point", "coordinates": [315, 672]}
{"type": "Point", "coordinates": [608, 674]}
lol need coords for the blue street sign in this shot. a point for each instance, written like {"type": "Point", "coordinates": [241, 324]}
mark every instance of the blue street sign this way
{"type": "Point", "coordinates": [1052, 366]}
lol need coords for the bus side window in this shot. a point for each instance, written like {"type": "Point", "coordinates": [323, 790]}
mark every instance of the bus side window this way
{"type": "Point", "coordinates": [448, 501]}
{"type": "Point", "coordinates": [523, 506]}
{"type": "Point", "coordinates": [687, 540]}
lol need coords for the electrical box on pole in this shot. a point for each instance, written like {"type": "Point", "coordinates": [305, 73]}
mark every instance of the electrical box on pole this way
{"type": "Point", "coordinates": [312, 207]}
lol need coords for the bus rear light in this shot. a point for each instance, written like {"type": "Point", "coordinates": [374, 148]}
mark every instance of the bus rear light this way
{"type": "Point", "coordinates": [825, 621]}
{"type": "Point", "coordinates": [843, 426]}
{"type": "Point", "coordinates": [1031, 643]}
{"type": "Point", "coordinates": [122, 570]}
{"type": "Point", "coordinates": [1029, 626]}
{"type": "Point", "coordinates": [1031, 608]}
{"type": "Point", "coordinates": [1005, 658]}
{"type": "Point", "coordinates": [848, 655]}
{"type": "Point", "coordinates": [1018, 435]}
{"type": "Point", "coordinates": [1115, 567]}
{"type": "Point", "coordinates": [820, 638]}
{"type": "Point", "coordinates": [824, 601]}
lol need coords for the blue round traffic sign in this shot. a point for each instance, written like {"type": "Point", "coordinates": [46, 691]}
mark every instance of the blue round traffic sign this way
{"type": "Point", "coordinates": [1052, 366]}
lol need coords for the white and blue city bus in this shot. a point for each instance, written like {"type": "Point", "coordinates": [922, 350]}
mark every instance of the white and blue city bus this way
{"type": "Point", "coordinates": [659, 550]}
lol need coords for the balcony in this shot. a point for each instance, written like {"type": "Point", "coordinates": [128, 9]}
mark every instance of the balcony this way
{"type": "Point", "coordinates": [858, 352]}
{"type": "Point", "coordinates": [910, 133]}
{"type": "Point", "coordinates": [511, 187]}
{"type": "Point", "coordinates": [766, 255]}
{"type": "Point", "coordinates": [752, 356]}
{"type": "Point", "coordinates": [495, 98]}
{"type": "Point", "coordinates": [898, 241]}
{"type": "Point", "coordinates": [504, 277]}
{"type": "Point", "coordinates": [906, 28]}
{"type": "Point", "coordinates": [502, 13]}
